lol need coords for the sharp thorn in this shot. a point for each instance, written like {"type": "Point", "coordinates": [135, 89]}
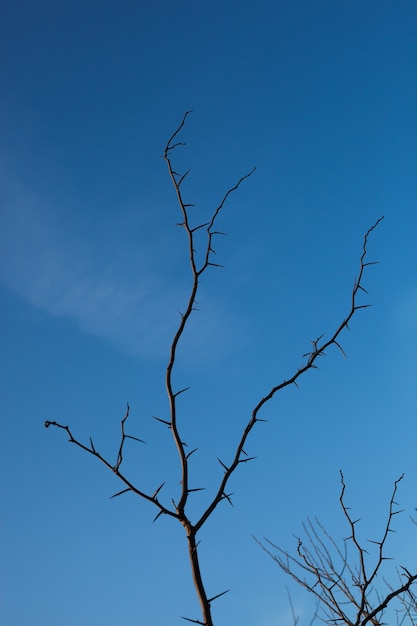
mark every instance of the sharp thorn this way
{"type": "Point", "coordinates": [218, 595]}
{"type": "Point", "coordinates": [120, 493]}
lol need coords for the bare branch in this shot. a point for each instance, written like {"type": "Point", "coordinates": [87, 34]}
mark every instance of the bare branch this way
{"type": "Point", "coordinates": [197, 272]}
{"type": "Point", "coordinates": [345, 591]}
{"type": "Point", "coordinates": [114, 468]}
{"type": "Point", "coordinates": [319, 349]}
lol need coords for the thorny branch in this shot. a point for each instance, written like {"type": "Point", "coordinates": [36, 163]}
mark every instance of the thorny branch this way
{"type": "Point", "coordinates": [91, 449]}
{"type": "Point", "coordinates": [197, 271]}
{"type": "Point", "coordinates": [345, 590]}
{"type": "Point", "coordinates": [319, 349]}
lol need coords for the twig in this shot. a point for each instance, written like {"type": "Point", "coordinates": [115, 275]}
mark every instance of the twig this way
{"type": "Point", "coordinates": [346, 596]}
{"type": "Point", "coordinates": [318, 350]}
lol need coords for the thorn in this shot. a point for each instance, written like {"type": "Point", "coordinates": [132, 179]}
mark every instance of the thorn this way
{"type": "Point", "coordinates": [340, 348]}
{"type": "Point", "coordinates": [218, 596]}
{"type": "Point", "coordinates": [180, 391]}
{"type": "Point", "coordinates": [194, 621]}
{"type": "Point", "coordinates": [92, 446]}
{"type": "Point", "coordinates": [198, 227]}
{"type": "Point", "coordinates": [196, 489]}
{"type": "Point", "coordinates": [157, 515]}
{"type": "Point", "coordinates": [187, 456]}
{"type": "Point", "coordinates": [135, 438]}
{"type": "Point", "coordinates": [226, 469]}
{"type": "Point", "coordinates": [396, 513]}
{"type": "Point", "coordinates": [317, 340]}
{"type": "Point", "coordinates": [183, 177]}
{"type": "Point", "coordinates": [406, 571]}
{"type": "Point", "coordinates": [157, 491]}
{"type": "Point", "coordinates": [120, 493]}
{"type": "Point", "coordinates": [162, 421]}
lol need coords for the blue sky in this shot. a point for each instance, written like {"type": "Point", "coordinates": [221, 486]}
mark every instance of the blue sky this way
{"type": "Point", "coordinates": [321, 97]}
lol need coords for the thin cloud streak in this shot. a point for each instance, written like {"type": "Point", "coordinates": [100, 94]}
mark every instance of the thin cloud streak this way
{"type": "Point", "coordinates": [111, 290]}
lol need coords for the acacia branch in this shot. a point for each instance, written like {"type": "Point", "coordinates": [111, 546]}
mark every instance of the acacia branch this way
{"type": "Point", "coordinates": [319, 349]}
{"type": "Point", "coordinates": [116, 468]}
{"type": "Point", "coordinates": [197, 272]}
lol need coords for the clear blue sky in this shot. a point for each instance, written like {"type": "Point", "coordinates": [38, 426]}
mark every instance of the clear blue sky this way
{"type": "Point", "coordinates": [322, 97]}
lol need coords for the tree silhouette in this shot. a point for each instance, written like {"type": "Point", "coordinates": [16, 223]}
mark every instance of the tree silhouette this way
{"type": "Point", "coordinates": [201, 261]}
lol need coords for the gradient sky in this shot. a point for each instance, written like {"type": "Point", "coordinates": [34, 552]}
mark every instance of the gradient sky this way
{"type": "Point", "coordinates": [321, 97]}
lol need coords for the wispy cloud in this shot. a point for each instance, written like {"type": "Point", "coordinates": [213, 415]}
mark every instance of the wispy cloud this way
{"type": "Point", "coordinates": [110, 282]}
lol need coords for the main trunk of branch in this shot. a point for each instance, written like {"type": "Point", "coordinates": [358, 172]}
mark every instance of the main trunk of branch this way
{"type": "Point", "coordinates": [198, 582]}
